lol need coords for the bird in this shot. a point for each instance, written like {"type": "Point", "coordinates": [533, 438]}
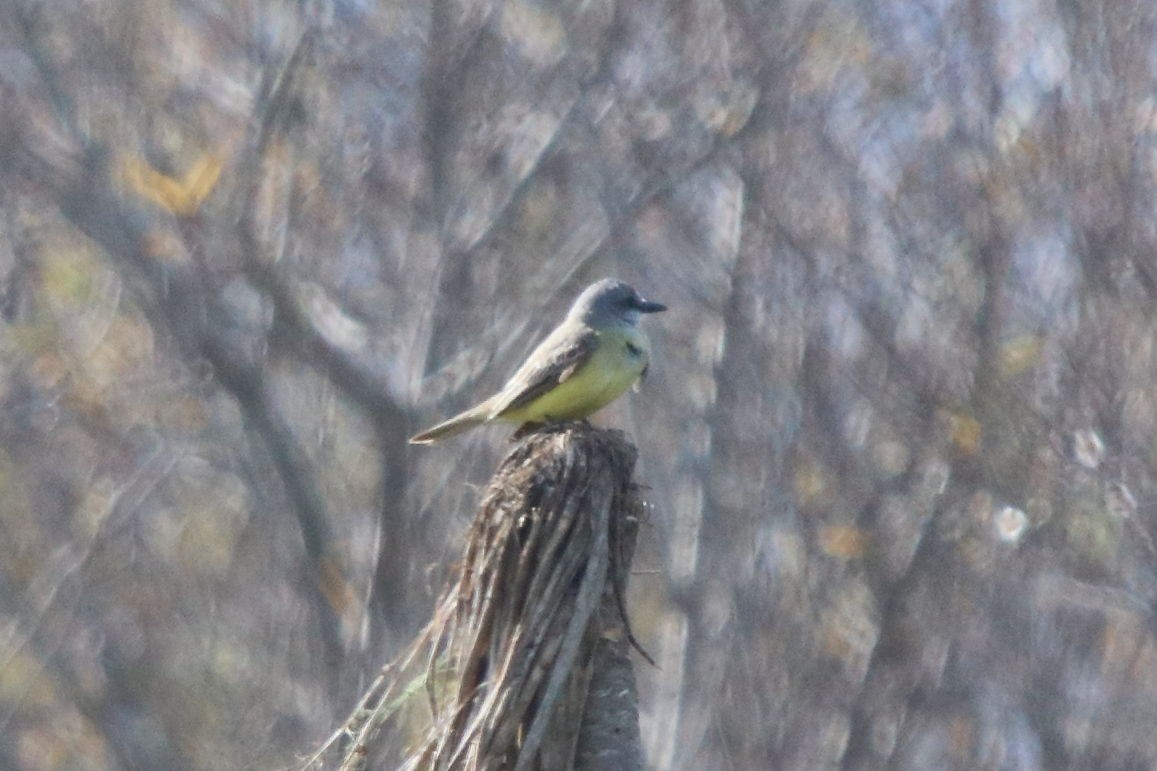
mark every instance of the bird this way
{"type": "Point", "coordinates": [595, 354]}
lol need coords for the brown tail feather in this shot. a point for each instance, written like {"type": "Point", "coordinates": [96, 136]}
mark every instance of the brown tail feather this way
{"type": "Point", "coordinates": [454, 425]}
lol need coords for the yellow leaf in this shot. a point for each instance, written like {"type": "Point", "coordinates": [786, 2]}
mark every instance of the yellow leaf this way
{"type": "Point", "coordinates": [844, 541]}
{"type": "Point", "coordinates": [1020, 355]}
{"type": "Point", "coordinates": [184, 196]}
{"type": "Point", "coordinates": [334, 586]}
{"type": "Point", "coordinates": [966, 432]}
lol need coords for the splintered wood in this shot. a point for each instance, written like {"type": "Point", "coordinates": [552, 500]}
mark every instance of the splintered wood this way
{"type": "Point", "coordinates": [534, 630]}
{"type": "Point", "coordinates": [527, 664]}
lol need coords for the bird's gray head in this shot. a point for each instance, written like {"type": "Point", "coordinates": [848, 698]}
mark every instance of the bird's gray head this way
{"type": "Point", "coordinates": [612, 302]}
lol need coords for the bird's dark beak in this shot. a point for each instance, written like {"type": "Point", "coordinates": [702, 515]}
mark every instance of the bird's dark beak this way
{"type": "Point", "coordinates": [646, 306]}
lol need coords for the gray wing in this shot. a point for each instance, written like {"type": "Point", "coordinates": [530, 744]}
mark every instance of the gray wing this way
{"type": "Point", "coordinates": [555, 359]}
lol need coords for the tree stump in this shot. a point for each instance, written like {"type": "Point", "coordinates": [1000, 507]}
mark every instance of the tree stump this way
{"type": "Point", "coordinates": [528, 650]}
{"type": "Point", "coordinates": [534, 629]}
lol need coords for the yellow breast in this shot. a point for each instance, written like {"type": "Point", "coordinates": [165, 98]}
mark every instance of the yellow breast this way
{"type": "Point", "coordinates": [618, 360]}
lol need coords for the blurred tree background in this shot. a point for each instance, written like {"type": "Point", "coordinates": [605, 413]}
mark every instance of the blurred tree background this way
{"type": "Point", "coordinates": [900, 433]}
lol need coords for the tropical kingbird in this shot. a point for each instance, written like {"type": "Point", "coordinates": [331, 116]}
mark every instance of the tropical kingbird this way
{"type": "Point", "coordinates": [595, 354]}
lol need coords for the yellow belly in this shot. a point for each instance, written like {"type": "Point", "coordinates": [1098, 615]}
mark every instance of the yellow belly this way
{"type": "Point", "coordinates": [616, 364]}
